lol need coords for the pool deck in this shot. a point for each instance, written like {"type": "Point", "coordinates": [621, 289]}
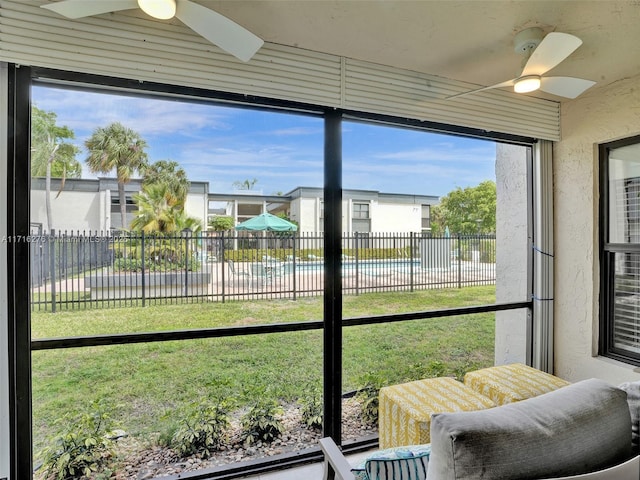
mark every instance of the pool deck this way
{"type": "Point", "coordinates": [279, 281]}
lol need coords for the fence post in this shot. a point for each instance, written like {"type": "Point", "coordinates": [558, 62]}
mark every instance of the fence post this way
{"type": "Point", "coordinates": [142, 258]}
{"type": "Point", "coordinates": [355, 241]}
{"type": "Point", "coordinates": [459, 263]}
{"type": "Point", "coordinates": [411, 240]}
{"type": "Point", "coordinates": [52, 268]}
{"type": "Point", "coordinates": [222, 262]}
{"type": "Point", "coordinates": [293, 250]}
{"type": "Point", "coordinates": [186, 233]}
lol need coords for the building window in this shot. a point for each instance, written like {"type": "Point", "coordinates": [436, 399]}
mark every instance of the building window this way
{"type": "Point", "coordinates": [426, 217]}
{"type": "Point", "coordinates": [360, 210]}
{"type": "Point", "coordinates": [115, 204]}
{"type": "Point", "coordinates": [620, 250]}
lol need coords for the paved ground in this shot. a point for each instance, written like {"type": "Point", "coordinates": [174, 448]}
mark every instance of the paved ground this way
{"type": "Point", "coordinates": [281, 282]}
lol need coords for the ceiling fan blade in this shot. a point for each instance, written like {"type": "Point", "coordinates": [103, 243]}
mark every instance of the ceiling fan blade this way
{"type": "Point", "coordinates": [553, 49]}
{"type": "Point", "coordinates": [508, 83]}
{"type": "Point", "coordinates": [219, 30]}
{"type": "Point", "coordinates": [83, 8]}
{"type": "Point", "coordinates": [568, 87]}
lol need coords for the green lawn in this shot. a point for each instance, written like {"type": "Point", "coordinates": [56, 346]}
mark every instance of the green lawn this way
{"type": "Point", "coordinates": [147, 385]}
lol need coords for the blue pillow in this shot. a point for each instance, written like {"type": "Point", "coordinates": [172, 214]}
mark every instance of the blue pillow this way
{"type": "Point", "coordinates": [399, 463]}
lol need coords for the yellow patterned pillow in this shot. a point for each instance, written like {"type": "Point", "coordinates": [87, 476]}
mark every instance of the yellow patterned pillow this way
{"type": "Point", "coordinates": [512, 383]}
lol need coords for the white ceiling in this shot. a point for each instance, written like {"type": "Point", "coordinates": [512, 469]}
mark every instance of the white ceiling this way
{"type": "Point", "coordinates": [468, 40]}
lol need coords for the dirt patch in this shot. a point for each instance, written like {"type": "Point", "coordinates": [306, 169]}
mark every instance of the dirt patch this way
{"type": "Point", "coordinates": [140, 460]}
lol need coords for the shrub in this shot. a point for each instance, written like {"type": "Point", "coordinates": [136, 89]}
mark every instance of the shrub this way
{"type": "Point", "coordinates": [261, 422]}
{"type": "Point", "coordinates": [368, 396]}
{"type": "Point", "coordinates": [203, 430]}
{"type": "Point", "coordinates": [83, 447]}
{"type": "Point", "coordinates": [165, 436]}
{"type": "Point", "coordinates": [221, 223]}
{"type": "Point", "coordinates": [127, 264]}
{"type": "Point", "coordinates": [311, 408]}
{"type": "Point", "coordinates": [435, 368]}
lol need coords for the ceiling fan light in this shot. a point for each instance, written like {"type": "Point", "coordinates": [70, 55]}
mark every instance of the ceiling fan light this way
{"type": "Point", "coordinates": [161, 9]}
{"type": "Point", "coordinates": [527, 84]}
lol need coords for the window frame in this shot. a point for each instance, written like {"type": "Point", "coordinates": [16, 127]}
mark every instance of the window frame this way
{"type": "Point", "coordinates": [358, 208]}
{"type": "Point", "coordinates": [607, 253]}
{"type": "Point", "coordinates": [21, 345]}
{"type": "Point", "coordinates": [425, 221]}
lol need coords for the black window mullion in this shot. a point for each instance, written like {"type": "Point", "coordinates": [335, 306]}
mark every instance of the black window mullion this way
{"type": "Point", "coordinates": [332, 279]}
{"type": "Point", "coordinates": [19, 325]}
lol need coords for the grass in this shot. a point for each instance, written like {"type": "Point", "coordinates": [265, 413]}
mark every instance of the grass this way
{"type": "Point", "coordinates": [149, 385]}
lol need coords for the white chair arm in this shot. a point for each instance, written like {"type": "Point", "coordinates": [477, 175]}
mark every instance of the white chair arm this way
{"type": "Point", "coordinates": [334, 461]}
{"type": "Point", "coordinates": [629, 470]}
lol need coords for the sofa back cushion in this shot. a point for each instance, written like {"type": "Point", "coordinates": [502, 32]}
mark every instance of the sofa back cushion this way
{"type": "Point", "coordinates": [579, 428]}
{"type": "Point", "coordinates": [633, 399]}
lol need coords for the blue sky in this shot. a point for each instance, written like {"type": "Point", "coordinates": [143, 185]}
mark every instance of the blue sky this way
{"type": "Point", "coordinates": [222, 145]}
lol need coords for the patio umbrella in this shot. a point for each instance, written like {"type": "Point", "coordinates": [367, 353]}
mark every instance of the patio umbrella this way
{"type": "Point", "coordinates": [267, 222]}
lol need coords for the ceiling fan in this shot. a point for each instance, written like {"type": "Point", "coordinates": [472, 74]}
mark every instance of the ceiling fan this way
{"type": "Point", "coordinates": [542, 53]}
{"type": "Point", "coordinates": [219, 30]}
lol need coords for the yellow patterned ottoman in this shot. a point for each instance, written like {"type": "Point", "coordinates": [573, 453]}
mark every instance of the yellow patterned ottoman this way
{"type": "Point", "coordinates": [512, 383]}
{"type": "Point", "coordinates": [404, 414]}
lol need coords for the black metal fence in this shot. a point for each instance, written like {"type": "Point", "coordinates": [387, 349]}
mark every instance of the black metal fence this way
{"type": "Point", "coordinates": [83, 270]}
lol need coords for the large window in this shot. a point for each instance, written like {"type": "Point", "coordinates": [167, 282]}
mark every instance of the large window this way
{"type": "Point", "coordinates": [175, 263]}
{"type": "Point", "coordinates": [159, 316]}
{"type": "Point", "coordinates": [620, 250]}
{"type": "Point", "coordinates": [437, 222]}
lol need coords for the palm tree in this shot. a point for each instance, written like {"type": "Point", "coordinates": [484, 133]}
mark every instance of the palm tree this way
{"type": "Point", "coordinates": [160, 211]}
{"type": "Point", "coordinates": [245, 184]}
{"type": "Point", "coordinates": [51, 156]}
{"type": "Point", "coordinates": [169, 173]}
{"type": "Point", "coordinates": [120, 148]}
{"type": "Point", "coordinates": [184, 222]}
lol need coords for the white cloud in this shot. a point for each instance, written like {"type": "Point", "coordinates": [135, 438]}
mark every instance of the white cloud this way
{"type": "Point", "coordinates": [224, 144]}
{"type": "Point", "coordinates": [85, 111]}
{"type": "Point", "coordinates": [297, 131]}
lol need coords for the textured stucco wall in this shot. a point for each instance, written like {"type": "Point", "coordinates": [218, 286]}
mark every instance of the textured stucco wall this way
{"type": "Point", "coordinates": [196, 205]}
{"type": "Point", "coordinates": [511, 252]}
{"type": "Point", "coordinates": [73, 211]}
{"type": "Point", "coordinates": [386, 217]}
{"type": "Point", "coordinates": [306, 213]}
{"type": "Point", "coordinates": [600, 115]}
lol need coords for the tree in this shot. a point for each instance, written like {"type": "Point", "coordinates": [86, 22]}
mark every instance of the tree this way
{"type": "Point", "coordinates": [221, 223]}
{"type": "Point", "coordinates": [51, 156]}
{"type": "Point", "coordinates": [467, 211]}
{"type": "Point", "coordinates": [184, 221]}
{"type": "Point", "coordinates": [117, 147]}
{"type": "Point", "coordinates": [245, 184]}
{"type": "Point", "coordinates": [157, 209]}
{"type": "Point", "coordinates": [169, 173]}
{"type": "Point", "coordinates": [160, 211]}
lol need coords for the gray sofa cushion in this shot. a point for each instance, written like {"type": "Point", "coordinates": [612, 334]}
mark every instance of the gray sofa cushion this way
{"type": "Point", "coordinates": [633, 399]}
{"type": "Point", "coordinates": [576, 429]}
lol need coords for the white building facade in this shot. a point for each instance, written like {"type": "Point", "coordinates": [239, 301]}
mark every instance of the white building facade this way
{"type": "Point", "coordinates": [364, 211]}
{"type": "Point", "coordinates": [93, 205]}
